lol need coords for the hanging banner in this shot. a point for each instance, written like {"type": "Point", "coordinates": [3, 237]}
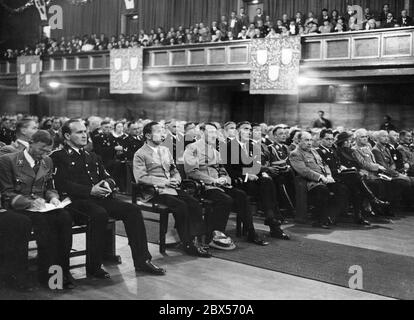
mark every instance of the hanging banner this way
{"type": "Point", "coordinates": [28, 75]}
{"type": "Point", "coordinates": [275, 65]}
{"type": "Point", "coordinates": [126, 71]}
{"type": "Point", "coordinates": [130, 4]}
{"type": "Point", "coordinates": [41, 7]}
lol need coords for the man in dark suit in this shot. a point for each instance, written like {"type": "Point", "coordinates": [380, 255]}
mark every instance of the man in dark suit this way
{"type": "Point", "coordinates": [322, 187]}
{"type": "Point", "coordinates": [350, 180]}
{"type": "Point", "coordinates": [14, 235]}
{"type": "Point", "coordinates": [174, 140]}
{"type": "Point", "coordinates": [243, 18]}
{"type": "Point", "coordinates": [26, 186]}
{"type": "Point", "coordinates": [202, 163]}
{"type": "Point", "coordinates": [234, 24]}
{"type": "Point", "coordinates": [322, 122]}
{"type": "Point", "coordinates": [405, 20]}
{"type": "Point", "coordinates": [82, 176]}
{"type": "Point", "coordinates": [133, 142]}
{"type": "Point", "coordinates": [153, 165]}
{"type": "Point", "coordinates": [245, 169]}
{"type": "Point", "coordinates": [56, 133]}
{"type": "Point", "coordinates": [259, 16]}
{"type": "Point", "coordinates": [7, 135]}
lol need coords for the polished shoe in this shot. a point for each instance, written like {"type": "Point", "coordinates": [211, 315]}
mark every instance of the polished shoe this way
{"type": "Point", "coordinates": [362, 222]}
{"type": "Point", "coordinates": [256, 239]}
{"type": "Point", "coordinates": [276, 232]}
{"type": "Point", "coordinates": [100, 274]}
{"type": "Point", "coordinates": [381, 203]}
{"type": "Point", "coordinates": [369, 213]}
{"type": "Point", "coordinates": [321, 225]}
{"type": "Point", "coordinates": [68, 282]}
{"type": "Point", "coordinates": [330, 221]}
{"type": "Point", "coordinates": [272, 222]}
{"type": "Point", "coordinates": [151, 268]}
{"type": "Point", "coordinates": [197, 251]}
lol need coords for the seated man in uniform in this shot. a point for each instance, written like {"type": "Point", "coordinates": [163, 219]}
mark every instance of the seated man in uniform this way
{"type": "Point", "coordinates": [400, 182]}
{"type": "Point", "coordinates": [274, 159]}
{"type": "Point", "coordinates": [369, 167]}
{"type": "Point", "coordinates": [132, 143]}
{"type": "Point", "coordinates": [243, 164]}
{"type": "Point", "coordinates": [26, 185]}
{"type": "Point", "coordinates": [82, 176]}
{"type": "Point", "coordinates": [350, 179]}
{"type": "Point", "coordinates": [406, 150]}
{"type": "Point", "coordinates": [323, 191]}
{"type": "Point", "coordinates": [202, 163]}
{"type": "Point", "coordinates": [154, 165]}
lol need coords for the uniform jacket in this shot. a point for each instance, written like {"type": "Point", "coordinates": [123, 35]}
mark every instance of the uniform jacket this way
{"type": "Point", "coordinates": [383, 157]}
{"type": "Point", "coordinates": [309, 165]}
{"type": "Point", "coordinates": [20, 185]}
{"type": "Point", "coordinates": [241, 161]}
{"type": "Point", "coordinates": [152, 169]}
{"type": "Point", "coordinates": [330, 157]}
{"type": "Point", "coordinates": [203, 163]}
{"type": "Point", "coordinates": [407, 153]}
{"type": "Point", "coordinates": [131, 145]}
{"type": "Point", "coordinates": [75, 175]}
{"type": "Point", "coordinates": [366, 159]}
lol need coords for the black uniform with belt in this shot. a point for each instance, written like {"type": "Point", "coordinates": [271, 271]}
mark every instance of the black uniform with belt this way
{"type": "Point", "coordinates": [131, 145]}
{"type": "Point", "coordinates": [77, 171]}
{"type": "Point", "coordinates": [350, 179]}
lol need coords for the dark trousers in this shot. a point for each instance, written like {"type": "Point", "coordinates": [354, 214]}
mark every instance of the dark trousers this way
{"type": "Point", "coordinates": [14, 237]}
{"type": "Point", "coordinates": [352, 182]}
{"type": "Point", "coordinates": [188, 214]}
{"type": "Point", "coordinates": [329, 200]}
{"type": "Point", "coordinates": [224, 200]}
{"type": "Point", "coordinates": [286, 179]}
{"type": "Point", "coordinates": [53, 234]}
{"type": "Point", "coordinates": [216, 218]}
{"type": "Point", "coordinates": [96, 212]}
{"type": "Point", "coordinates": [265, 190]}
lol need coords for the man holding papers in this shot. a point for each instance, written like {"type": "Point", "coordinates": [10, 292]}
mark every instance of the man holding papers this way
{"type": "Point", "coordinates": [26, 186]}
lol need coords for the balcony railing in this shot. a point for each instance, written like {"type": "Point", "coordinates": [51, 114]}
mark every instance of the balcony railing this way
{"type": "Point", "coordinates": [377, 48]}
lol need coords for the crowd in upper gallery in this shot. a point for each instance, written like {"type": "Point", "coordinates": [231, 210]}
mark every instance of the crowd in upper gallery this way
{"type": "Point", "coordinates": [235, 27]}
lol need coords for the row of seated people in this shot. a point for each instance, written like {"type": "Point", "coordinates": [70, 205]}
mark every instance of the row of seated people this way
{"type": "Point", "coordinates": [254, 165]}
{"type": "Point", "coordinates": [236, 27]}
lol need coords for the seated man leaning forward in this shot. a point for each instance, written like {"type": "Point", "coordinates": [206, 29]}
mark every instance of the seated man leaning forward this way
{"type": "Point", "coordinates": [26, 185]}
{"type": "Point", "coordinates": [82, 176]}
{"type": "Point", "coordinates": [154, 165]}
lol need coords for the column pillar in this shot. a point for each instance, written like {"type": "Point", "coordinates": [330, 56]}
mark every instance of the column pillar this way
{"type": "Point", "coordinates": [407, 5]}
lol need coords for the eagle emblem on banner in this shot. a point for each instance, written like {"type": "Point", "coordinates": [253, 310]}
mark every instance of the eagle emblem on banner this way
{"type": "Point", "coordinates": [28, 75]}
{"type": "Point", "coordinates": [275, 65]}
{"type": "Point", "coordinates": [126, 68]}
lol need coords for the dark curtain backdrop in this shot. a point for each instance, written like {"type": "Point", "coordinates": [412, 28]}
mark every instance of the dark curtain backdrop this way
{"type": "Point", "coordinates": [105, 15]}
{"type": "Point", "coordinates": [275, 8]}
{"type": "Point", "coordinates": [19, 29]}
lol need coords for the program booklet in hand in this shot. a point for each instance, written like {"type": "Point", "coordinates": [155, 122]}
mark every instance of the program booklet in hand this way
{"type": "Point", "coordinates": [50, 207]}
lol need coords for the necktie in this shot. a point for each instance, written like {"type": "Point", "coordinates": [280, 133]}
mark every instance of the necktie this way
{"type": "Point", "coordinates": [36, 167]}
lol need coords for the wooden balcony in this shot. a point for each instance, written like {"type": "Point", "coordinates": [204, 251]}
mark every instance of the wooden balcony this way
{"type": "Point", "coordinates": [328, 58]}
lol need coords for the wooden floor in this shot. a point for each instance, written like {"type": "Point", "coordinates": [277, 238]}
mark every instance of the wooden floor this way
{"type": "Point", "coordinates": [192, 278]}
